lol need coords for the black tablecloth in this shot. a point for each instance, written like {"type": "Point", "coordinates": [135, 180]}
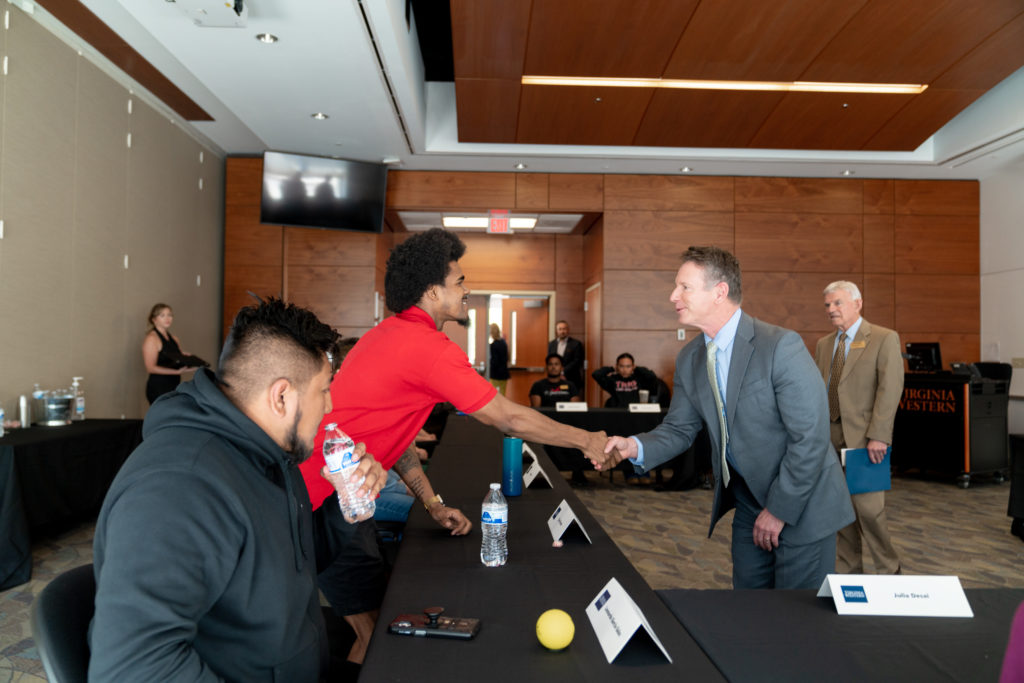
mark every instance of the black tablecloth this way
{"type": "Point", "coordinates": [52, 476]}
{"type": "Point", "coordinates": [762, 635]}
{"type": "Point", "coordinates": [687, 468]}
{"type": "Point", "coordinates": [436, 569]}
{"type": "Point", "coordinates": [614, 421]}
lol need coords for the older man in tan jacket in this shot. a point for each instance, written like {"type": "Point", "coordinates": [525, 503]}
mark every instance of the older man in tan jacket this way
{"type": "Point", "coordinates": [863, 372]}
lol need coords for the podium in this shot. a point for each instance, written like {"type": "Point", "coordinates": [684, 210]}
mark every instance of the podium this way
{"type": "Point", "coordinates": [953, 425]}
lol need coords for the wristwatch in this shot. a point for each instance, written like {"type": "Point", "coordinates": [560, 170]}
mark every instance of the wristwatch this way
{"type": "Point", "coordinates": [436, 499]}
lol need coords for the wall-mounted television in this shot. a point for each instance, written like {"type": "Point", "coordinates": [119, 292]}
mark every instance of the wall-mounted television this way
{"type": "Point", "coordinates": [923, 357]}
{"type": "Point", "coordinates": [321, 192]}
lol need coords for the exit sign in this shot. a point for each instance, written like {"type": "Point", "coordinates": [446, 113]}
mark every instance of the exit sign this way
{"type": "Point", "coordinates": [497, 221]}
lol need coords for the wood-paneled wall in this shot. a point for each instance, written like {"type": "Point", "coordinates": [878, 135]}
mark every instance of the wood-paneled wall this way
{"type": "Point", "coordinates": [911, 246]}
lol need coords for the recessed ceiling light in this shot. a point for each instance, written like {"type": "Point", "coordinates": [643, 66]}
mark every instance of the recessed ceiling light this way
{"type": "Point", "coordinates": [520, 166]}
{"type": "Point", "coordinates": [266, 37]}
{"type": "Point", "coordinates": [847, 171]}
{"type": "Point", "coordinates": [685, 169]}
{"type": "Point", "coordinates": [320, 116]}
{"type": "Point", "coordinates": [391, 160]}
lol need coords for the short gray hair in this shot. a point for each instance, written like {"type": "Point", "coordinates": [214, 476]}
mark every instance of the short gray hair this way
{"type": "Point", "coordinates": [844, 285]}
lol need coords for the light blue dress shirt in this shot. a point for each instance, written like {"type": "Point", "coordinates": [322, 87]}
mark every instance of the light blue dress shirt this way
{"type": "Point", "coordinates": [723, 356]}
{"type": "Point", "coordinates": [851, 332]}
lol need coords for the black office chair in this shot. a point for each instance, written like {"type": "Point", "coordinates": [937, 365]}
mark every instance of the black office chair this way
{"type": "Point", "coordinates": [60, 625]}
{"type": "Point", "coordinates": [994, 370]}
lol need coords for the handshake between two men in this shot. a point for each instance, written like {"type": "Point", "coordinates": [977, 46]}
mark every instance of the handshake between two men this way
{"type": "Point", "coordinates": [605, 453]}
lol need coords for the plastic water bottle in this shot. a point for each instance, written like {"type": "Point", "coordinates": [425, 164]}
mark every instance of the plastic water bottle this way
{"type": "Point", "coordinates": [338, 449]}
{"type": "Point", "coordinates": [78, 411]}
{"type": "Point", "coordinates": [1, 419]}
{"type": "Point", "coordinates": [494, 522]}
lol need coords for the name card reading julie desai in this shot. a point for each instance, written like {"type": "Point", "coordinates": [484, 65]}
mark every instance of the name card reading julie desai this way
{"type": "Point", "coordinates": [534, 473]}
{"type": "Point", "coordinates": [615, 619]}
{"type": "Point", "coordinates": [644, 407]}
{"type": "Point", "coordinates": [570, 407]}
{"type": "Point", "coordinates": [896, 596]}
{"type": "Point", "coordinates": [562, 519]}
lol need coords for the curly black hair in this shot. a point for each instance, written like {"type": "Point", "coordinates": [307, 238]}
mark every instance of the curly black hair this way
{"type": "Point", "coordinates": [418, 264]}
{"type": "Point", "coordinates": [273, 339]}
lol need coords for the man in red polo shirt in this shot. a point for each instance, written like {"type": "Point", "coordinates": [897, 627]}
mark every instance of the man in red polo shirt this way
{"type": "Point", "coordinates": [384, 392]}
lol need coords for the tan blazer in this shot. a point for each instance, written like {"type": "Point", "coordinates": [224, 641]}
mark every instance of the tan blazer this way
{"type": "Point", "coordinates": [871, 385]}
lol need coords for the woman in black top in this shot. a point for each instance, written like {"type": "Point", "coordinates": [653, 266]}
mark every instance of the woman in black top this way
{"type": "Point", "coordinates": [499, 360]}
{"type": "Point", "coordinates": [161, 354]}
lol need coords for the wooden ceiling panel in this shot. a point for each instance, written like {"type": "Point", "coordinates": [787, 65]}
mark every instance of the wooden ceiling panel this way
{"type": "Point", "coordinates": [922, 116]}
{"type": "Point", "coordinates": [704, 118]}
{"type": "Point", "coordinates": [489, 38]}
{"type": "Point", "coordinates": [487, 109]}
{"type": "Point", "coordinates": [960, 48]}
{"type": "Point", "coordinates": [911, 41]}
{"type": "Point", "coordinates": [758, 40]}
{"type": "Point", "coordinates": [820, 121]}
{"type": "Point", "coordinates": [565, 115]}
{"type": "Point", "coordinates": [990, 62]}
{"type": "Point", "coordinates": [578, 37]}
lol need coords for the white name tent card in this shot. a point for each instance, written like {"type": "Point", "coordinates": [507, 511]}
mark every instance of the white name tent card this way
{"type": "Point", "coordinates": [644, 408]}
{"type": "Point", "coordinates": [570, 407]}
{"type": "Point", "coordinates": [534, 474]}
{"type": "Point", "coordinates": [562, 519]}
{"type": "Point", "coordinates": [615, 619]}
{"type": "Point", "coordinates": [903, 595]}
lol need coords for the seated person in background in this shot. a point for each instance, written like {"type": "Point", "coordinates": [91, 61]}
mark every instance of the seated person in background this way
{"type": "Point", "coordinates": [625, 381]}
{"type": "Point", "coordinates": [546, 393]}
{"type": "Point", "coordinates": [205, 549]}
{"type": "Point", "coordinates": [553, 388]}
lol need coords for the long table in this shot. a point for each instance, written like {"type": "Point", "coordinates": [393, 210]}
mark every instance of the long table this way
{"type": "Point", "coordinates": [53, 476]}
{"type": "Point", "coordinates": [434, 568]}
{"type": "Point", "coordinates": [790, 636]}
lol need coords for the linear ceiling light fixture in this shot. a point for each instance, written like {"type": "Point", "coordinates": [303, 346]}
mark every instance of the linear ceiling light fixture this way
{"type": "Point", "coordinates": [685, 84]}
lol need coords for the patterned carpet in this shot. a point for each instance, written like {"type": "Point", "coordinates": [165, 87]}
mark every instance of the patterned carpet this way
{"type": "Point", "coordinates": [937, 528]}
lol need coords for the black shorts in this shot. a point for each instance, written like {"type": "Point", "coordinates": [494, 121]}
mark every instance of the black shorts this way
{"type": "Point", "coordinates": [355, 581]}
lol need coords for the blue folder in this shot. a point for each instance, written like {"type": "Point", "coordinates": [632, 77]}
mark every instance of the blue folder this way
{"type": "Point", "coordinates": [864, 476]}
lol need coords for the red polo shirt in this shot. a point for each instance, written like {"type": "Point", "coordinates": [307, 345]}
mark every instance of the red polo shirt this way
{"type": "Point", "coordinates": [387, 386]}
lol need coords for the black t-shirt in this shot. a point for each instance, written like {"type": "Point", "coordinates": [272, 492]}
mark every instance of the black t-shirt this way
{"type": "Point", "coordinates": [552, 392]}
{"type": "Point", "coordinates": [626, 390]}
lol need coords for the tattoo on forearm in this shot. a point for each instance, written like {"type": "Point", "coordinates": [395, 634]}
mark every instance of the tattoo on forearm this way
{"type": "Point", "coordinates": [407, 463]}
{"type": "Point", "coordinates": [411, 472]}
{"type": "Point", "coordinates": [418, 485]}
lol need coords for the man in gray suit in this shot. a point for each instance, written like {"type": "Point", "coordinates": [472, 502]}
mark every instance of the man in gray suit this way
{"type": "Point", "coordinates": [775, 464]}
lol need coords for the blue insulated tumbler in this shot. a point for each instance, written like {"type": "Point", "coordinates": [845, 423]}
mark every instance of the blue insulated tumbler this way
{"type": "Point", "coordinates": [512, 467]}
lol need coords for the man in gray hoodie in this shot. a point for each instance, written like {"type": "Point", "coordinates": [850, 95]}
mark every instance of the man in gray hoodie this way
{"type": "Point", "coordinates": [205, 550]}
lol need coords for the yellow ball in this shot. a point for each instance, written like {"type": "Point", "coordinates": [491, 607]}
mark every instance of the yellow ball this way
{"type": "Point", "coordinates": [555, 629]}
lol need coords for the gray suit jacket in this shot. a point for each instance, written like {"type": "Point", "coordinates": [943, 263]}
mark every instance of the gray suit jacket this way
{"type": "Point", "coordinates": [778, 429]}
